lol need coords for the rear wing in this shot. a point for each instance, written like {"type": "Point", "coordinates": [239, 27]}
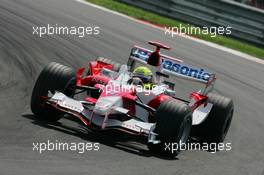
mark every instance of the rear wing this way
{"type": "Point", "coordinates": [172, 66]}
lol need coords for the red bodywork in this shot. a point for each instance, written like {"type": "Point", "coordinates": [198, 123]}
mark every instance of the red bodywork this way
{"type": "Point", "coordinates": [95, 79]}
{"type": "Point", "coordinates": [132, 111]}
{"type": "Point", "coordinates": [94, 76]}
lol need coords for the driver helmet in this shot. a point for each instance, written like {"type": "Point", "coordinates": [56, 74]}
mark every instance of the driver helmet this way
{"type": "Point", "coordinates": [145, 74]}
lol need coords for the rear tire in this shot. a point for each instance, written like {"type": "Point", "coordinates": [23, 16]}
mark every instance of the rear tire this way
{"type": "Point", "coordinates": [216, 125]}
{"type": "Point", "coordinates": [116, 66]}
{"type": "Point", "coordinates": [54, 77]}
{"type": "Point", "coordinates": [174, 121]}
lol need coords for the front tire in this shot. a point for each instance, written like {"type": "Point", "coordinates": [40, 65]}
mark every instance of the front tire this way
{"type": "Point", "coordinates": [54, 77]}
{"type": "Point", "coordinates": [173, 126]}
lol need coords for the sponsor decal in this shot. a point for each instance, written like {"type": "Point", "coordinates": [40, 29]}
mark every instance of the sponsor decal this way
{"type": "Point", "coordinates": [175, 67]}
{"type": "Point", "coordinates": [140, 53]}
{"type": "Point", "coordinates": [185, 70]}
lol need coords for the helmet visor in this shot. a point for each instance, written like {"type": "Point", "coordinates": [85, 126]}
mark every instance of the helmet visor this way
{"type": "Point", "coordinates": [145, 79]}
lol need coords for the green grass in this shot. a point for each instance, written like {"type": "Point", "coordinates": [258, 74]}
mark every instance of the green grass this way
{"type": "Point", "coordinates": [164, 21]}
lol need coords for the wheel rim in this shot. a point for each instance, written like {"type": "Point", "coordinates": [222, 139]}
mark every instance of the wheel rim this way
{"type": "Point", "coordinates": [70, 87]}
{"type": "Point", "coordinates": [185, 129]}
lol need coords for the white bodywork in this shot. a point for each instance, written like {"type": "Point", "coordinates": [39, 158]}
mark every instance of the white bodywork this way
{"type": "Point", "coordinates": [201, 113]}
{"type": "Point", "coordinates": [113, 104]}
{"type": "Point", "coordinates": [99, 116]}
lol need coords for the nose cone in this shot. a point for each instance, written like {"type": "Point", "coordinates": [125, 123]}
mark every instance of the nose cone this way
{"type": "Point", "coordinates": [105, 104]}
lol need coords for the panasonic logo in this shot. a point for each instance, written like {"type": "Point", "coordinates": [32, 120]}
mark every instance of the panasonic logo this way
{"type": "Point", "coordinates": [186, 70]}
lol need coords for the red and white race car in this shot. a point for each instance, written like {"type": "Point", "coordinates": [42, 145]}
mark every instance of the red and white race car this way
{"type": "Point", "coordinates": [114, 100]}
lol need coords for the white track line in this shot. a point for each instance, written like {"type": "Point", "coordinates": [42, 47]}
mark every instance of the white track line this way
{"type": "Point", "coordinates": [234, 52]}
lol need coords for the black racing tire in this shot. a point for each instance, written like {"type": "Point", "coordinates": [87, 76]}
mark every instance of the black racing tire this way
{"type": "Point", "coordinates": [54, 77]}
{"type": "Point", "coordinates": [173, 126]}
{"type": "Point", "coordinates": [217, 123]}
{"type": "Point", "coordinates": [116, 66]}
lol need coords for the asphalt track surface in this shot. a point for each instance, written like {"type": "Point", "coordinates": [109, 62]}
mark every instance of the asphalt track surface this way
{"type": "Point", "coordinates": [23, 55]}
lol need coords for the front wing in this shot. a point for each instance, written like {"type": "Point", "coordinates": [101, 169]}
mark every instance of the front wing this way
{"type": "Point", "coordinates": [92, 120]}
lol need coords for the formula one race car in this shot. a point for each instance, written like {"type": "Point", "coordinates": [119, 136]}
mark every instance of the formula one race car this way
{"type": "Point", "coordinates": [115, 99]}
